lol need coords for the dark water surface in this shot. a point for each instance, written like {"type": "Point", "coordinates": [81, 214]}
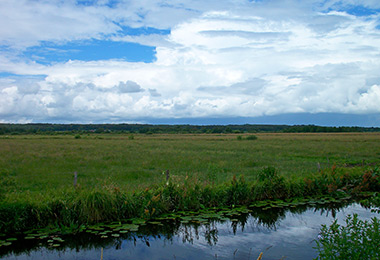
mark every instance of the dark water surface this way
{"type": "Point", "coordinates": [278, 233]}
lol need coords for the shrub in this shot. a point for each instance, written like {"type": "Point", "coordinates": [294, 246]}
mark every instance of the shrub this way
{"type": "Point", "coordinates": [251, 137]}
{"type": "Point", "coordinates": [357, 240]}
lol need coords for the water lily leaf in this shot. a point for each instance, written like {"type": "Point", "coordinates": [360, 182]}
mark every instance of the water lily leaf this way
{"type": "Point", "coordinates": [129, 226]}
{"type": "Point", "coordinates": [155, 223]}
{"type": "Point", "coordinates": [200, 220]}
{"type": "Point", "coordinates": [138, 221]}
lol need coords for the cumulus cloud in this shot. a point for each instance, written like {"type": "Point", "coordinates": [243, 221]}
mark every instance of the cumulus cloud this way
{"type": "Point", "coordinates": [154, 92]}
{"type": "Point", "coordinates": [219, 59]}
{"type": "Point", "coordinates": [129, 87]}
{"type": "Point", "coordinates": [30, 22]}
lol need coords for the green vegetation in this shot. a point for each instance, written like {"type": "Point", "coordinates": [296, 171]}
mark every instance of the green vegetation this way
{"type": "Point", "coordinates": [15, 129]}
{"type": "Point", "coordinates": [357, 240]}
{"type": "Point", "coordinates": [120, 177]}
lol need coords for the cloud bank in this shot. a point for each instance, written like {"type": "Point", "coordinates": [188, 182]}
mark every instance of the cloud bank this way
{"type": "Point", "coordinates": [217, 59]}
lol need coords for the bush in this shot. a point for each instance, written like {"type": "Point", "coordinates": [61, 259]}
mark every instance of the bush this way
{"type": "Point", "coordinates": [251, 137]}
{"type": "Point", "coordinates": [357, 240]}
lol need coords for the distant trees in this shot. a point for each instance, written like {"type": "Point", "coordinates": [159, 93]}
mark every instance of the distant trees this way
{"type": "Point", "coordinates": [14, 129]}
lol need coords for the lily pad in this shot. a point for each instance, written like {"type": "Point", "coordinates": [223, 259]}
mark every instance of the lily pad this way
{"type": "Point", "coordinates": [129, 226]}
{"type": "Point", "coordinates": [138, 221]}
{"type": "Point", "coordinates": [155, 223]}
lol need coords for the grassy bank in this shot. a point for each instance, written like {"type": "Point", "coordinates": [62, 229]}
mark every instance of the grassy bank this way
{"type": "Point", "coordinates": [74, 208]}
{"type": "Point", "coordinates": [121, 177]}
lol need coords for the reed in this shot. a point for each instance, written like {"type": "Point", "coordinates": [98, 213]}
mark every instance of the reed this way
{"type": "Point", "coordinates": [82, 206]}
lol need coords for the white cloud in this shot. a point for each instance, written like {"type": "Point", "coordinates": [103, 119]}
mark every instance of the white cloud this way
{"type": "Point", "coordinates": [129, 87]}
{"type": "Point", "coordinates": [30, 22]}
{"type": "Point", "coordinates": [220, 59]}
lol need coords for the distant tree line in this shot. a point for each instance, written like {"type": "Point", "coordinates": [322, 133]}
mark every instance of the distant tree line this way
{"type": "Point", "coordinates": [14, 129]}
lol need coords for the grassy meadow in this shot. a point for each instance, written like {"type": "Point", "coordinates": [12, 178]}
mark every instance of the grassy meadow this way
{"type": "Point", "coordinates": [39, 164]}
{"type": "Point", "coordinates": [38, 170]}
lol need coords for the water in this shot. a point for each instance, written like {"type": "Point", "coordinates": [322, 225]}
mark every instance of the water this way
{"type": "Point", "coordinates": [278, 233]}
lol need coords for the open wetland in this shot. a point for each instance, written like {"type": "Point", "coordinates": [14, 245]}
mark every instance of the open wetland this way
{"type": "Point", "coordinates": [189, 196]}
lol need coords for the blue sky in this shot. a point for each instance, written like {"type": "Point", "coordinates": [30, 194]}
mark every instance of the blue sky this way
{"type": "Point", "coordinates": [268, 61]}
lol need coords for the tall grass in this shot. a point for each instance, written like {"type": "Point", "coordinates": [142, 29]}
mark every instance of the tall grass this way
{"type": "Point", "coordinates": [82, 206]}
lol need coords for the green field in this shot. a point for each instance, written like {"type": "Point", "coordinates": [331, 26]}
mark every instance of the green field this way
{"type": "Point", "coordinates": [45, 164]}
{"type": "Point", "coordinates": [121, 176]}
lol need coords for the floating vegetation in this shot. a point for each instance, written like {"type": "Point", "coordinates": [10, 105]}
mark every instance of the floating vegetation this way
{"type": "Point", "coordinates": [202, 221]}
{"type": "Point", "coordinates": [131, 227]}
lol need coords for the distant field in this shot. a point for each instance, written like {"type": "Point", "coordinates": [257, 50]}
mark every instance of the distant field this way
{"type": "Point", "coordinates": [46, 164]}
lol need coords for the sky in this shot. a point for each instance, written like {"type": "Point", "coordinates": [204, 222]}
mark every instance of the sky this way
{"type": "Point", "coordinates": [192, 62]}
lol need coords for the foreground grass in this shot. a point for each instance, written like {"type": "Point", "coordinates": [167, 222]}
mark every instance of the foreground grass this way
{"type": "Point", "coordinates": [121, 177]}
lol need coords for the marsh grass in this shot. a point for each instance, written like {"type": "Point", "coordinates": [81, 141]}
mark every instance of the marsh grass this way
{"type": "Point", "coordinates": [120, 178]}
{"type": "Point", "coordinates": [77, 207]}
{"type": "Point", "coordinates": [38, 163]}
